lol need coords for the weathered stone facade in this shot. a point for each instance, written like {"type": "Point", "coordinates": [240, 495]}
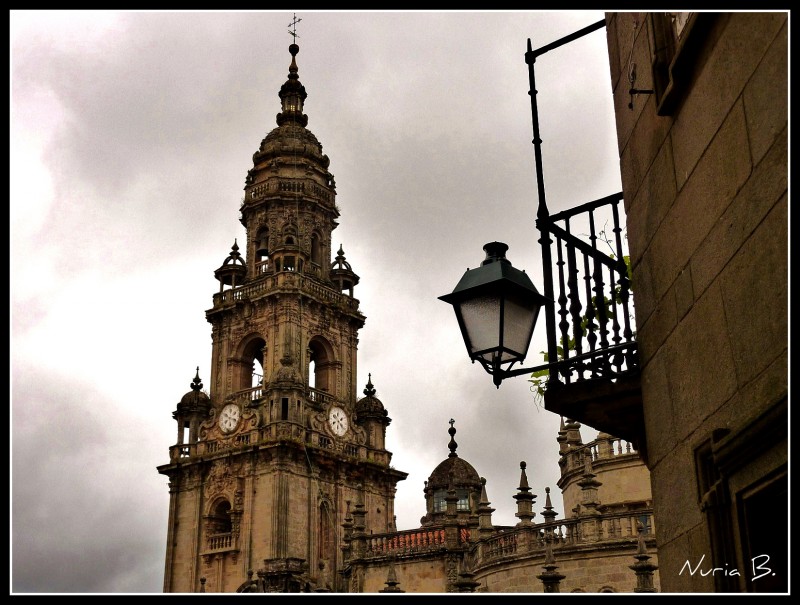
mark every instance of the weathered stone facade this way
{"type": "Point", "coordinates": [704, 172]}
{"type": "Point", "coordinates": [263, 470]}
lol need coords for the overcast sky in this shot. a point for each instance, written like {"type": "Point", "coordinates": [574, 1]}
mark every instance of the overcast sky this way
{"type": "Point", "coordinates": [131, 135]}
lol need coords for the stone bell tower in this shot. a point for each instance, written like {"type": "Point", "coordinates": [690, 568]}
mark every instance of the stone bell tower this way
{"type": "Point", "coordinates": [265, 466]}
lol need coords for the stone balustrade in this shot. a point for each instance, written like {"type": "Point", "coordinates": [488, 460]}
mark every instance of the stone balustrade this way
{"type": "Point", "coordinates": [405, 542]}
{"type": "Point", "coordinates": [622, 525]}
{"type": "Point", "coordinates": [601, 449]}
{"type": "Point", "coordinates": [283, 430]}
{"type": "Point", "coordinates": [219, 542]}
{"type": "Point", "coordinates": [269, 279]}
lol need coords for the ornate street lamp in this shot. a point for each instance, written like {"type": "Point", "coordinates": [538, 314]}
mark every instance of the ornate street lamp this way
{"type": "Point", "coordinates": [496, 306]}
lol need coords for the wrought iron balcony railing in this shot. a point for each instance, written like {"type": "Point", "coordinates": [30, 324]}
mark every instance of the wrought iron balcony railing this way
{"type": "Point", "coordinates": [594, 336]}
{"type": "Point", "coordinates": [592, 354]}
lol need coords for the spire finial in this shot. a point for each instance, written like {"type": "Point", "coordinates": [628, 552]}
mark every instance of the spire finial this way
{"type": "Point", "coordinates": [452, 445]}
{"type": "Point", "coordinates": [549, 514]}
{"type": "Point", "coordinates": [523, 478]}
{"type": "Point", "coordinates": [197, 383]}
{"type": "Point", "coordinates": [370, 390]}
{"type": "Point", "coordinates": [293, 25]}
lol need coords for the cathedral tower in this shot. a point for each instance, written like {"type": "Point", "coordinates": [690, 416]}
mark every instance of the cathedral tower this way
{"type": "Point", "coordinates": [266, 465]}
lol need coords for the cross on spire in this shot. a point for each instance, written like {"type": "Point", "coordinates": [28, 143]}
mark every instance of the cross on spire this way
{"type": "Point", "coordinates": [293, 25]}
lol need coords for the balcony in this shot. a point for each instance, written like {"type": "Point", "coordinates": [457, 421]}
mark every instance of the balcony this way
{"type": "Point", "coordinates": [270, 281]}
{"type": "Point", "coordinates": [595, 378]}
{"type": "Point", "coordinates": [220, 542]}
{"type": "Point", "coordinates": [276, 432]}
{"type": "Point", "coordinates": [593, 361]}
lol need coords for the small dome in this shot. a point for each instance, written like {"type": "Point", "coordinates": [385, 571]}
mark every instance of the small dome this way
{"type": "Point", "coordinates": [453, 476]}
{"type": "Point", "coordinates": [463, 473]}
{"type": "Point", "coordinates": [233, 269]}
{"type": "Point", "coordinates": [195, 400]}
{"type": "Point", "coordinates": [370, 406]}
{"type": "Point", "coordinates": [342, 273]}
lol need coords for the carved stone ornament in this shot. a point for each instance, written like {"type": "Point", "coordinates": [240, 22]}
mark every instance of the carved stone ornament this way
{"type": "Point", "coordinates": [318, 421]}
{"type": "Point", "coordinates": [359, 434]}
{"type": "Point", "coordinates": [208, 424]}
{"type": "Point", "coordinates": [250, 420]}
{"type": "Point", "coordinates": [287, 372]}
{"type": "Point", "coordinates": [451, 567]}
{"type": "Point", "coordinates": [220, 480]}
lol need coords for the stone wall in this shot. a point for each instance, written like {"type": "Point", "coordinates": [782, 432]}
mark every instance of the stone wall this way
{"type": "Point", "coordinates": [705, 189]}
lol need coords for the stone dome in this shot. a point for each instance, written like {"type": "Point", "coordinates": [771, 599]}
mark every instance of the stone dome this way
{"type": "Point", "coordinates": [370, 406]}
{"type": "Point", "coordinates": [452, 476]}
{"type": "Point", "coordinates": [195, 400]}
{"type": "Point", "coordinates": [291, 138]}
{"type": "Point", "coordinates": [463, 473]}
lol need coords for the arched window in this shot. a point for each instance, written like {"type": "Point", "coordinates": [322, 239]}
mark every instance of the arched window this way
{"type": "Point", "coordinates": [220, 522]}
{"type": "Point", "coordinates": [289, 234]}
{"type": "Point", "coordinates": [258, 373]}
{"type": "Point", "coordinates": [250, 364]}
{"type": "Point", "coordinates": [262, 245]}
{"type": "Point", "coordinates": [325, 531]}
{"type": "Point", "coordinates": [316, 249]}
{"type": "Point", "coordinates": [320, 365]}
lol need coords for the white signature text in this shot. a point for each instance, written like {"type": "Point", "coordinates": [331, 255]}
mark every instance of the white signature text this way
{"type": "Point", "coordinates": [759, 563]}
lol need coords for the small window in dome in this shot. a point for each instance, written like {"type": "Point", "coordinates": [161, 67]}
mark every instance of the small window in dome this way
{"type": "Point", "coordinates": [463, 499]}
{"type": "Point", "coordinates": [440, 504]}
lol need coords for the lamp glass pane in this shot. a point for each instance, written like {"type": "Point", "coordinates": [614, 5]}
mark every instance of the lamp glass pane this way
{"type": "Point", "coordinates": [481, 316]}
{"type": "Point", "coordinates": [520, 317]}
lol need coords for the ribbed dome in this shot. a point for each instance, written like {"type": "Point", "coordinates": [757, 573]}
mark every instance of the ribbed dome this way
{"type": "Point", "coordinates": [289, 160]}
{"type": "Point", "coordinates": [195, 400]}
{"type": "Point", "coordinates": [370, 406]}
{"type": "Point", "coordinates": [291, 138]}
{"type": "Point", "coordinates": [463, 473]}
{"type": "Point", "coordinates": [290, 141]}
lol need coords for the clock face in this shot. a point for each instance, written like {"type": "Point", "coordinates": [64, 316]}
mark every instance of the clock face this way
{"type": "Point", "coordinates": [338, 421]}
{"type": "Point", "coordinates": [229, 417]}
